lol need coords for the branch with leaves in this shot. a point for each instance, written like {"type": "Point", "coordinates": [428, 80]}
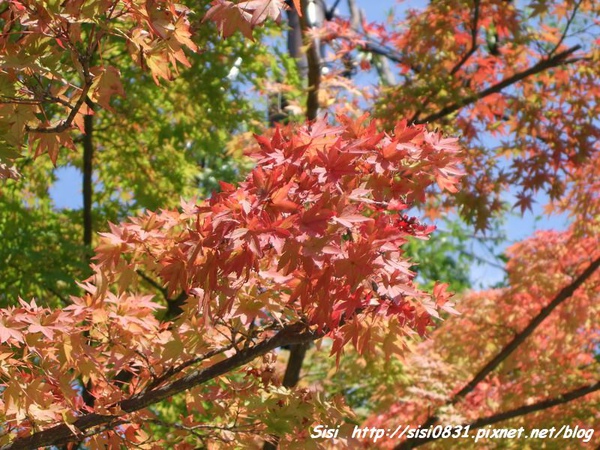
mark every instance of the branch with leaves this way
{"type": "Point", "coordinates": [545, 64]}
{"type": "Point", "coordinates": [238, 257]}
{"type": "Point", "coordinates": [80, 428]}
{"type": "Point", "coordinates": [517, 341]}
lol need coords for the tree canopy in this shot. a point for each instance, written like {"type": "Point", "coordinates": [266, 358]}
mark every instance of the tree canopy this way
{"type": "Point", "coordinates": [257, 254]}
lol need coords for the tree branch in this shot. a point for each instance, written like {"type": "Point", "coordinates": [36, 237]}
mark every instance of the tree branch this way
{"type": "Point", "coordinates": [66, 124]}
{"type": "Point", "coordinates": [61, 434]}
{"type": "Point", "coordinates": [370, 46]}
{"type": "Point", "coordinates": [174, 305]}
{"type": "Point", "coordinates": [294, 365]}
{"type": "Point", "coordinates": [197, 430]}
{"type": "Point", "coordinates": [563, 295]}
{"type": "Point", "coordinates": [154, 284]}
{"type": "Point", "coordinates": [354, 15]}
{"type": "Point", "coordinates": [539, 406]}
{"type": "Point", "coordinates": [381, 62]}
{"type": "Point", "coordinates": [181, 367]}
{"type": "Point", "coordinates": [461, 62]}
{"type": "Point", "coordinates": [290, 379]}
{"type": "Point", "coordinates": [524, 410]}
{"type": "Point", "coordinates": [88, 158]}
{"type": "Point", "coordinates": [554, 61]}
{"type": "Point", "coordinates": [314, 68]}
{"type": "Point", "coordinates": [509, 348]}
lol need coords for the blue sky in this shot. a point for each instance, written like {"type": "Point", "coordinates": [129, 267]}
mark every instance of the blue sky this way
{"type": "Point", "coordinates": [66, 192]}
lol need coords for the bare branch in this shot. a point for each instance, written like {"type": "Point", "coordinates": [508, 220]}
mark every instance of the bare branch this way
{"type": "Point", "coordinates": [88, 185]}
{"type": "Point", "coordinates": [354, 15]}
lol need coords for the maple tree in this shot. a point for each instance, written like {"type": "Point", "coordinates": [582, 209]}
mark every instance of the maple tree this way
{"type": "Point", "coordinates": [172, 340]}
{"type": "Point", "coordinates": [308, 246]}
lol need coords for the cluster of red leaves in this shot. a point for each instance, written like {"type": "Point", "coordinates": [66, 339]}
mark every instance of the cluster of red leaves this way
{"type": "Point", "coordinates": [311, 237]}
{"type": "Point", "coordinates": [519, 82]}
{"type": "Point", "coordinates": [316, 229]}
{"type": "Point", "coordinates": [559, 357]}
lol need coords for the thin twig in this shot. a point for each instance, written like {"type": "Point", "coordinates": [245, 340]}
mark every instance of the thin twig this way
{"type": "Point", "coordinates": [460, 63]}
{"type": "Point", "coordinates": [567, 26]}
{"type": "Point", "coordinates": [474, 32]}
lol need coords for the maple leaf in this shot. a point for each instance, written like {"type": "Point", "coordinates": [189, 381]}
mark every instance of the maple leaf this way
{"type": "Point", "coordinates": [7, 333]}
{"type": "Point", "coordinates": [229, 18]}
{"type": "Point", "coordinates": [51, 143]}
{"type": "Point", "coordinates": [280, 199]}
{"type": "Point", "coordinates": [107, 82]}
{"type": "Point", "coordinates": [524, 202]}
{"type": "Point", "coordinates": [347, 218]}
{"type": "Point", "coordinates": [37, 326]}
{"type": "Point", "coordinates": [244, 16]}
{"type": "Point", "coordinates": [111, 245]}
{"type": "Point", "coordinates": [299, 241]}
{"type": "Point", "coordinates": [263, 9]}
{"type": "Point", "coordinates": [175, 273]}
{"type": "Point", "coordinates": [158, 63]}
